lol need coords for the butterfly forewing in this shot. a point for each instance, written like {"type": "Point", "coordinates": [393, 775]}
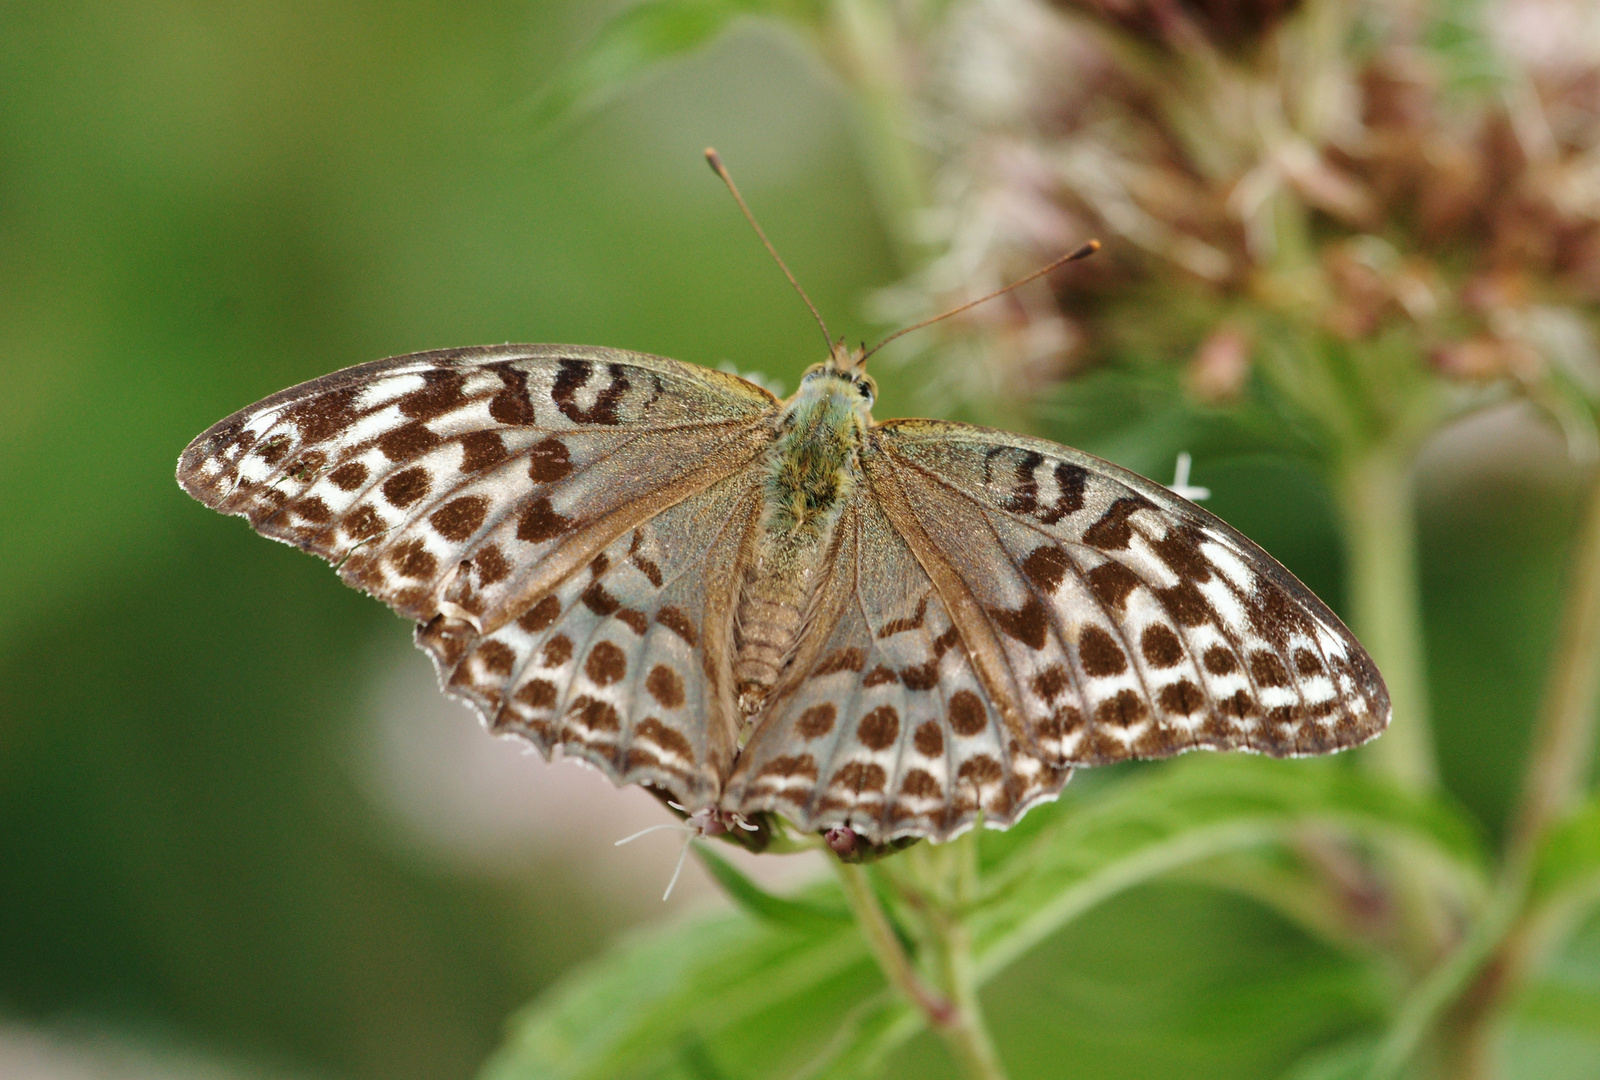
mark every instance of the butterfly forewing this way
{"type": "Point", "coordinates": [473, 489]}
{"type": "Point", "coordinates": [1132, 623]}
{"type": "Point", "coordinates": [450, 476]}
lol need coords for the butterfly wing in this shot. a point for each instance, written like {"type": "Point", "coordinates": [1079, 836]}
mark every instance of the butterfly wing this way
{"type": "Point", "coordinates": [467, 487]}
{"type": "Point", "coordinates": [1110, 618]}
{"type": "Point", "coordinates": [881, 722]}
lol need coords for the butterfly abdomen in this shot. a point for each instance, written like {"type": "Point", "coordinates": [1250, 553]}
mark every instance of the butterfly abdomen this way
{"type": "Point", "coordinates": [811, 471]}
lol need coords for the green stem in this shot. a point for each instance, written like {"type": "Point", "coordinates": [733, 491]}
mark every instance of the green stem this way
{"type": "Point", "coordinates": [1446, 983]}
{"type": "Point", "coordinates": [1555, 778]}
{"type": "Point", "coordinates": [1563, 741]}
{"type": "Point", "coordinates": [1375, 493]}
{"type": "Point", "coordinates": [866, 47]}
{"type": "Point", "coordinates": [954, 1014]}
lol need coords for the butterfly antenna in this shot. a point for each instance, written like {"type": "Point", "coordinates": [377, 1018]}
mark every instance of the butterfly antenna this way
{"type": "Point", "coordinates": [651, 829]}
{"type": "Point", "coordinates": [715, 161]}
{"type": "Point", "coordinates": [682, 855]}
{"type": "Point", "coordinates": [1072, 256]}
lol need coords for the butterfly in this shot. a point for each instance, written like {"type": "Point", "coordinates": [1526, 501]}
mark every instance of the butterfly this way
{"type": "Point", "coordinates": [754, 606]}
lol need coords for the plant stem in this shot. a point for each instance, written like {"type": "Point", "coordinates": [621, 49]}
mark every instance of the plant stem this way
{"type": "Point", "coordinates": [1556, 776]}
{"type": "Point", "coordinates": [1375, 494]}
{"type": "Point", "coordinates": [1563, 740]}
{"type": "Point", "coordinates": [955, 1014]}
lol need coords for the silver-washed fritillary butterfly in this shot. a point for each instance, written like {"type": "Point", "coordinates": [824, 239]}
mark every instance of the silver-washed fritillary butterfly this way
{"type": "Point", "coordinates": [753, 605]}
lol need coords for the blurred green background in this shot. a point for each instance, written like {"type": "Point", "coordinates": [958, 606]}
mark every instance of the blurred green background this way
{"type": "Point", "coordinates": [205, 861]}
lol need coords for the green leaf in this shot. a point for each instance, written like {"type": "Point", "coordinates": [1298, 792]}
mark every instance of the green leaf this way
{"type": "Point", "coordinates": [784, 911]}
{"type": "Point", "coordinates": [1198, 808]}
{"type": "Point", "coordinates": [642, 37]}
{"type": "Point", "coordinates": [700, 998]}
{"type": "Point", "coordinates": [792, 991]}
{"type": "Point", "coordinates": [1568, 863]}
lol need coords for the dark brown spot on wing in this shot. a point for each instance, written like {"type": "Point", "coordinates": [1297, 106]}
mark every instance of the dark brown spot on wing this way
{"type": "Point", "coordinates": [982, 769]}
{"type": "Point", "coordinates": [1186, 604]}
{"type": "Point", "coordinates": [413, 560]}
{"type": "Point", "coordinates": [548, 461]}
{"type": "Point", "coordinates": [597, 600]}
{"type": "Point", "coordinates": [924, 676]}
{"type": "Point", "coordinates": [1124, 709]}
{"type": "Point", "coordinates": [1307, 663]}
{"type": "Point", "coordinates": [573, 375]}
{"type": "Point", "coordinates": [440, 393]}
{"type": "Point", "coordinates": [1114, 531]}
{"type": "Point", "coordinates": [1046, 566]}
{"type": "Point", "coordinates": [407, 441]}
{"type": "Point", "coordinates": [637, 621]}
{"type": "Point", "coordinates": [404, 488]}
{"type": "Point", "coordinates": [313, 510]}
{"type": "Point", "coordinates": [510, 405]}
{"type": "Point", "coordinates": [480, 450]}
{"type": "Point", "coordinates": [1219, 660]}
{"type": "Point", "coordinates": [459, 518]}
{"type": "Point", "coordinates": [967, 716]}
{"type": "Point", "coordinates": [273, 450]}
{"type": "Point", "coordinates": [594, 714]}
{"type": "Point", "coordinates": [879, 676]}
{"type": "Point", "coordinates": [816, 721]}
{"type": "Point", "coordinates": [676, 621]}
{"type": "Point", "coordinates": [1182, 697]}
{"type": "Point", "coordinates": [363, 523]}
{"type": "Point", "coordinates": [860, 777]}
{"type": "Point", "coordinates": [540, 616]}
{"type": "Point", "coordinates": [349, 476]}
{"type": "Point", "coordinates": [798, 765]}
{"type": "Point", "coordinates": [900, 626]}
{"type": "Point", "coordinates": [1161, 646]}
{"type": "Point", "coordinates": [606, 664]}
{"type": "Point", "coordinates": [557, 651]}
{"type": "Point", "coordinates": [1070, 479]}
{"type": "Point", "coordinates": [1028, 624]}
{"type": "Point", "coordinates": [539, 522]}
{"type": "Point", "coordinates": [920, 784]}
{"type": "Point", "coordinates": [1100, 653]}
{"type": "Point", "coordinates": [492, 564]}
{"type": "Point", "coordinates": [879, 728]}
{"type": "Point", "coordinates": [538, 693]}
{"type": "Point", "coordinates": [649, 569]}
{"type": "Point", "coordinates": [1024, 498]}
{"type": "Point", "coordinates": [325, 416]}
{"type": "Point", "coordinates": [1111, 582]}
{"type": "Point", "coordinates": [496, 657]}
{"type": "Point", "coordinates": [666, 738]}
{"type": "Point", "coordinates": [1180, 550]}
{"type": "Point", "coordinates": [1049, 683]}
{"type": "Point", "coordinates": [840, 660]}
{"type": "Point", "coordinates": [929, 740]}
{"type": "Point", "coordinates": [1267, 669]}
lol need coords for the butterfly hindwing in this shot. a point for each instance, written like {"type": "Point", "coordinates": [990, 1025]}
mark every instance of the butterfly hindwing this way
{"type": "Point", "coordinates": [883, 725]}
{"type": "Point", "coordinates": [1132, 623]}
{"type": "Point", "coordinates": [623, 664]}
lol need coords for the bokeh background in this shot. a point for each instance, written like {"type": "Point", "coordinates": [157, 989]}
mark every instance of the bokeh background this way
{"type": "Point", "coordinates": [240, 834]}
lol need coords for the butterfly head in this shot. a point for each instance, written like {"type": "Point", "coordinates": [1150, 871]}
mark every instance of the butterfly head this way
{"type": "Point", "coordinates": [843, 373]}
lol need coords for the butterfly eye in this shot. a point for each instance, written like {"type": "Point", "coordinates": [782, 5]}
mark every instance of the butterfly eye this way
{"type": "Point", "coordinates": [866, 388]}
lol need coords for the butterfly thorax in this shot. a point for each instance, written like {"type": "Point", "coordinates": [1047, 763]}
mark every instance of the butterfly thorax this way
{"type": "Point", "coordinates": [810, 471]}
